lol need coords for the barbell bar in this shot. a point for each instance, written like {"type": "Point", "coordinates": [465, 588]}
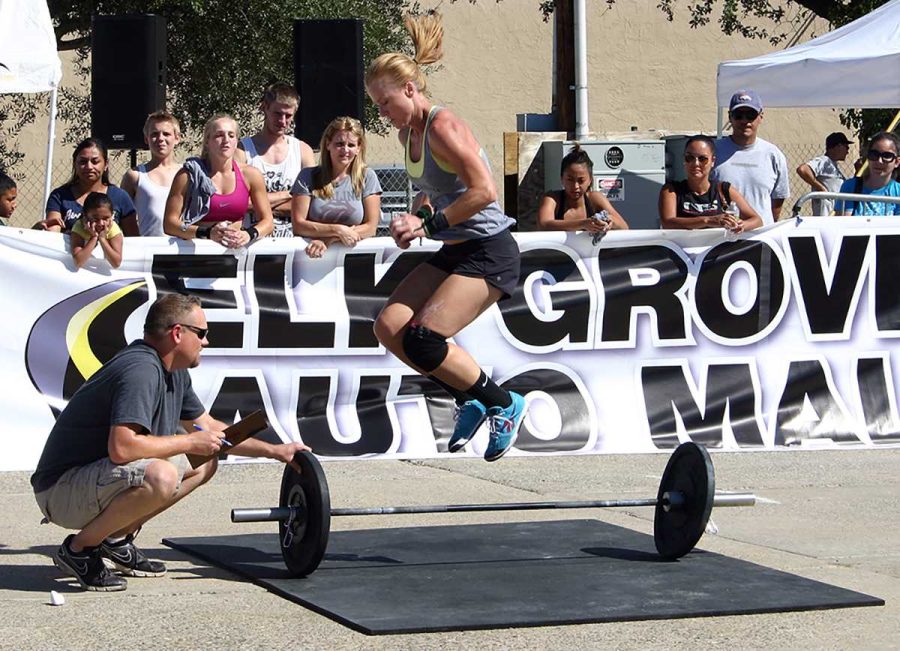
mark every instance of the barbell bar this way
{"type": "Point", "coordinates": [671, 500]}
{"type": "Point", "coordinates": [683, 504]}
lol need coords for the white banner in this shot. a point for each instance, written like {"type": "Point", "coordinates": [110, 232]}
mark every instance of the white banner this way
{"type": "Point", "coordinates": [783, 339]}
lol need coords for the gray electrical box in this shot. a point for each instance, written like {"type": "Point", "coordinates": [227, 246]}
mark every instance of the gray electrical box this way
{"type": "Point", "coordinates": [675, 157]}
{"type": "Point", "coordinates": [629, 172]}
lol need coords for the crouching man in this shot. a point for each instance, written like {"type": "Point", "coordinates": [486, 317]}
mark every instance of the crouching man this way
{"type": "Point", "coordinates": [113, 459]}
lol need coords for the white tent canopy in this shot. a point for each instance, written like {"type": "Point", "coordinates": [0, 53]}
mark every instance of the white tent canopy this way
{"type": "Point", "coordinates": [855, 66]}
{"type": "Point", "coordinates": [28, 59]}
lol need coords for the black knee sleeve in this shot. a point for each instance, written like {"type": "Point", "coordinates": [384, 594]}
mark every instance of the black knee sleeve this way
{"type": "Point", "coordinates": [424, 348]}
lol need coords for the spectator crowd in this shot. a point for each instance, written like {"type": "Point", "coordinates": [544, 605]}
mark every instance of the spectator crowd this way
{"type": "Point", "coordinates": [241, 189]}
{"type": "Point", "coordinates": [237, 191]}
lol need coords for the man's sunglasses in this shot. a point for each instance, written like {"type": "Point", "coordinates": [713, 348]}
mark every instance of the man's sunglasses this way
{"type": "Point", "coordinates": [748, 115]}
{"type": "Point", "coordinates": [885, 156]}
{"type": "Point", "coordinates": [200, 332]}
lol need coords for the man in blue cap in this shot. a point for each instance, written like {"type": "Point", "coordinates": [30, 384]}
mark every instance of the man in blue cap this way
{"type": "Point", "coordinates": [756, 167]}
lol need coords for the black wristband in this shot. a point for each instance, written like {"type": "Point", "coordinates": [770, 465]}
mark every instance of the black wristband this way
{"type": "Point", "coordinates": [425, 212]}
{"type": "Point", "coordinates": [435, 224]}
{"type": "Point", "coordinates": [203, 232]}
{"type": "Point", "coordinates": [252, 232]}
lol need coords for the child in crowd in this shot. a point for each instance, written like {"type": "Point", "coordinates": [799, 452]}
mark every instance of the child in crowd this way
{"type": "Point", "coordinates": [90, 173]}
{"type": "Point", "coordinates": [8, 192]}
{"type": "Point", "coordinates": [96, 225]}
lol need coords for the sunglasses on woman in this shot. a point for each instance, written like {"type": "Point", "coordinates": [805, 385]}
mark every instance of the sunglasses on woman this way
{"type": "Point", "coordinates": [690, 158]}
{"type": "Point", "coordinates": [885, 156]}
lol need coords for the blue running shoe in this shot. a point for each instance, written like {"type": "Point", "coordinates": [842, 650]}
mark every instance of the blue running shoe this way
{"type": "Point", "coordinates": [468, 416]}
{"type": "Point", "coordinates": [504, 424]}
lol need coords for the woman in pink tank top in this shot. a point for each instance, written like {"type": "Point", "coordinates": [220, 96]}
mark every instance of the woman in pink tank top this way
{"type": "Point", "coordinates": [237, 189]}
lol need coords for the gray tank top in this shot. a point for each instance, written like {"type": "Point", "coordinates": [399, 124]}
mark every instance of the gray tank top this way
{"type": "Point", "coordinates": [436, 179]}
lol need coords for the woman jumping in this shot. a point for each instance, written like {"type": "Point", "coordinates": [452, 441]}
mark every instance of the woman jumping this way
{"type": "Point", "coordinates": [478, 263]}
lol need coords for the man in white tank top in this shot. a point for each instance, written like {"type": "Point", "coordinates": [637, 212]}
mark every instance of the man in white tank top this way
{"type": "Point", "coordinates": [149, 183]}
{"type": "Point", "coordinates": [276, 154]}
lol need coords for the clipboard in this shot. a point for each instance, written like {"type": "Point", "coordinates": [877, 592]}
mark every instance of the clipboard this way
{"type": "Point", "coordinates": [235, 434]}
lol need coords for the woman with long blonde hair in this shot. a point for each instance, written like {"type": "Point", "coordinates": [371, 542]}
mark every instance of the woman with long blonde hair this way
{"type": "Point", "coordinates": [210, 195]}
{"type": "Point", "coordinates": [478, 263]}
{"type": "Point", "coordinates": [340, 199]}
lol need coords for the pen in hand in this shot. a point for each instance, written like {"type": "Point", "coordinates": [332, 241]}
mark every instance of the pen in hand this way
{"type": "Point", "coordinates": [225, 442]}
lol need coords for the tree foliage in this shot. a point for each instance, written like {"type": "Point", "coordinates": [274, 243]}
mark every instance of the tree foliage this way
{"type": "Point", "coordinates": [220, 54]}
{"type": "Point", "coordinates": [15, 115]}
{"type": "Point", "coordinates": [774, 20]}
{"type": "Point", "coordinates": [769, 19]}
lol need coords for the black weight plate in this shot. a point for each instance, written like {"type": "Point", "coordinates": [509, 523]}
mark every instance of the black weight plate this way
{"type": "Point", "coordinates": [690, 472]}
{"type": "Point", "coordinates": [304, 539]}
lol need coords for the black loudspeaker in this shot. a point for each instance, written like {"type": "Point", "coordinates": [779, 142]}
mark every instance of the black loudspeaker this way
{"type": "Point", "coordinates": [128, 77]}
{"type": "Point", "coordinates": [328, 74]}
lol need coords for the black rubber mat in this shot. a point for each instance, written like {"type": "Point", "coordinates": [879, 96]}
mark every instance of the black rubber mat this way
{"type": "Point", "coordinates": [465, 577]}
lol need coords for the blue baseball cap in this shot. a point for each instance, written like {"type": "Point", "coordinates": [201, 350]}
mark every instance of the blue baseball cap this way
{"type": "Point", "coordinates": [748, 98]}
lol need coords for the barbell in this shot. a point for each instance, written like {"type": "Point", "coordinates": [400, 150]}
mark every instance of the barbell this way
{"type": "Point", "coordinates": [683, 505]}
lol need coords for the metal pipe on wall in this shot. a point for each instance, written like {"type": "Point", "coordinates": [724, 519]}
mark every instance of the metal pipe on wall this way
{"type": "Point", "coordinates": [581, 91]}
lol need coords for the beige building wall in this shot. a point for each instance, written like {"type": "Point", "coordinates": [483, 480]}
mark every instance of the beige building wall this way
{"type": "Point", "coordinates": [642, 71]}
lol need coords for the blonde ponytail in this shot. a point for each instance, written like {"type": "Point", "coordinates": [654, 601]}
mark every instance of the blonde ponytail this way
{"type": "Point", "coordinates": [427, 33]}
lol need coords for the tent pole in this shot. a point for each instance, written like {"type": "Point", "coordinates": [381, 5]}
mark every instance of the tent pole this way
{"type": "Point", "coordinates": [51, 136]}
{"type": "Point", "coordinates": [894, 122]}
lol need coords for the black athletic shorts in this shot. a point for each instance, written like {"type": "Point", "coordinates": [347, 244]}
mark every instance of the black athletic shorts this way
{"type": "Point", "coordinates": [494, 258]}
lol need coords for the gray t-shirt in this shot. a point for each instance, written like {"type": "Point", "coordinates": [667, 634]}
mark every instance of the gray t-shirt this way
{"type": "Point", "coordinates": [345, 207]}
{"type": "Point", "coordinates": [830, 175]}
{"type": "Point", "coordinates": [133, 387]}
{"type": "Point", "coordinates": [759, 172]}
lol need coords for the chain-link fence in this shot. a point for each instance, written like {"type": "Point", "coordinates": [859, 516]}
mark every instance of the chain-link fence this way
{"type": "Point", "coordinates": [29, 176]}
{"type": "Point", "coordinates": [796, 155]}
{"type": "Point", "coordinates": [397, 195]}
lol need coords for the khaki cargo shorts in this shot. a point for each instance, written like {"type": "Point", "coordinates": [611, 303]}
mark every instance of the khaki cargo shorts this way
{"type": "Point", "coordinates": [82, 493]}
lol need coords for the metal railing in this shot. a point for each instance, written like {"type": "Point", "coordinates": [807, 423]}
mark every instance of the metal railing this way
{"type": "Point", "coordinates": [843, 196]}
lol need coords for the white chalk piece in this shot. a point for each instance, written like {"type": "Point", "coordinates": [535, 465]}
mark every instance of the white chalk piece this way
{"type": "Point", "coordinates": [56, 599]}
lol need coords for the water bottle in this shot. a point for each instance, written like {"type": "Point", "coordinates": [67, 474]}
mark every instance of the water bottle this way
{"type": "Point", "coordinates": [599, 216]}
{"type": "Point", "coordinates": [735, 212]}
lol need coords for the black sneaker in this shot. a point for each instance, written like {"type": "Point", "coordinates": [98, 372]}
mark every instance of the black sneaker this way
{"type": "Point", "coordinates": [88, 568]}
{"type": "Point", "coordinates": [130, 560]}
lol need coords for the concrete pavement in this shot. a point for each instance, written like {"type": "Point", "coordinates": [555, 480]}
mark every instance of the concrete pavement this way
{"type": "Point", "coordinates": [826, 515]}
